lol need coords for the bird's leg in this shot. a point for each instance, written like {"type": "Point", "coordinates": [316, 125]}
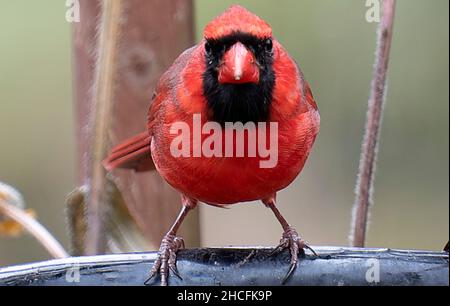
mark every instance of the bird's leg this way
{"type": "Point", "coordinates": [290, 239]}
{"type": "Point", "coordinates": [170, 244]}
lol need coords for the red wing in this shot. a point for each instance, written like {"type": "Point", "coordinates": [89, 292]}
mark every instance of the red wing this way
{"type": "Point", "coordinates": [133, 153]}
{"type": "Point", "coordinates": [166, 88]}
{"type": "Point", "coordinates": [309, 96]}
{"type": "Point", "coordinates": [306, 89]}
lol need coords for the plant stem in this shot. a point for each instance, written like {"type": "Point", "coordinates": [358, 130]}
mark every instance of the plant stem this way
{"type": "Point", "coordinates": [103, 99]}
{"type": "Point", "coordinates": [34, 228]}
{"type": "Point", "coordinates": [367, 165]}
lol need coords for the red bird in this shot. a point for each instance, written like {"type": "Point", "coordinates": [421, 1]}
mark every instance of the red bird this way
{"type": "Point", "coordinates": [238, 73]}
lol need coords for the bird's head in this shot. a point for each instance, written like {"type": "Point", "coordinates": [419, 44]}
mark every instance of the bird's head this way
{"type": "Point", "coordinates": [239, 79]}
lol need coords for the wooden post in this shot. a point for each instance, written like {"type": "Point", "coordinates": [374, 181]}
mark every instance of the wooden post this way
{"type": "Point", "coordinates": [153, 34]}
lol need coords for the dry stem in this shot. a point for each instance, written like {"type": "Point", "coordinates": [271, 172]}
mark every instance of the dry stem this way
{"type": "Point", "coordinates": [367, 166]}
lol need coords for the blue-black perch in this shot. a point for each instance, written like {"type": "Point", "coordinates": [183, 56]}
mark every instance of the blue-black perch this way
{"type": "Point", "coordinates": [334, 266]}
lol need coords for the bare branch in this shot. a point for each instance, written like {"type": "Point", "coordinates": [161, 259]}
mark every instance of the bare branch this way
{"type": "Point", "coordinates": [367, 165]}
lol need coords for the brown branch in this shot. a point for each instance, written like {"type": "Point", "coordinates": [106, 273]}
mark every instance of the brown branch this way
{"type": "Point", "coordinates": [103, 99]}
{"type": "Point", "coordinates": [367, 165]}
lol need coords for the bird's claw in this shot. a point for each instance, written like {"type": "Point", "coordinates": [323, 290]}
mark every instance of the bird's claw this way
{"type": "Point", "coordinates": [292, 241]}
{"type": "Point", "coordinates": [167, 259]}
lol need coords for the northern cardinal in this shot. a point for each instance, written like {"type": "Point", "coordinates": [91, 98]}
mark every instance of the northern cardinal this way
{"type": "Point", "coordinates": [237, 73]}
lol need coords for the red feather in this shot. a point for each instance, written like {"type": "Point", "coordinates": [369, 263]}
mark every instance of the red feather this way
{"type": "Point", "coordinates": [179, 95]}
{"type": "Point", "coordinates": [132, 154]}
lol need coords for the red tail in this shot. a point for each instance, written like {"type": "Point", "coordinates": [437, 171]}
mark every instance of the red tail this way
{"type": "Point", "coordinates": [134, 153]}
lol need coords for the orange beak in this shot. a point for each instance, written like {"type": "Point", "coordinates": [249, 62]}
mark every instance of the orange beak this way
{"type": "Point", "coordinates": [238, 66]}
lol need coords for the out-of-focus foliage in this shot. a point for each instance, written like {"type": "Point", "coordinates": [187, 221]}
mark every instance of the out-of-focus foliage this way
{"type": "Point", "coordinates": [122, 232]}
{"type": "Point", "coordinates": [10, 228]}
{"type": "Point", "coordinates": [9, 196]}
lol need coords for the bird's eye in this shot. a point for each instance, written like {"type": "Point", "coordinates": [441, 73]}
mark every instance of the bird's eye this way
{"type": "Point", "coordinates": [268, 44]}
{"type": "Point", "coordinates": [208, 48]}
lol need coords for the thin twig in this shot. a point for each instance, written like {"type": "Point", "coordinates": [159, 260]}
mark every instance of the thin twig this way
{"type": "Point", "coordinates": [103, 99]}
{"type": "Point", "coordinates": [367, 165]}
{"type": "Point", "coordinates": [10, 209]}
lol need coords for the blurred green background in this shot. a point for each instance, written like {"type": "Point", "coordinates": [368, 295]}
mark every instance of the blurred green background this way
{"type": "Point", "coordinates": [334, 46]}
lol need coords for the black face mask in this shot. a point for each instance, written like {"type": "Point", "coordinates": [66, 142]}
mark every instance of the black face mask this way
{"type": "Point", "coordinates": [246, 102]}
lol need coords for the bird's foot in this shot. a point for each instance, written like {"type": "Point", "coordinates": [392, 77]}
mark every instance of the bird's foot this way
{"type": "Point", "coordinates": [292, 241]}
{"type": "Point", "coordinates": [167, 259]}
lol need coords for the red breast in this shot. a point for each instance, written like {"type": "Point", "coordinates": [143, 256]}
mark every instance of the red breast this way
{"type": "Point", "coordinates": [230, 180]}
